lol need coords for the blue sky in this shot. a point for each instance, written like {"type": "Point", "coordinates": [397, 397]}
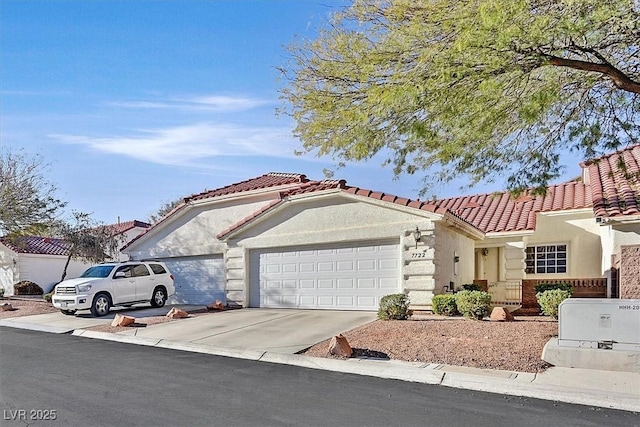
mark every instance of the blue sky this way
{"type": "Point", "coordinates": [136, 103]}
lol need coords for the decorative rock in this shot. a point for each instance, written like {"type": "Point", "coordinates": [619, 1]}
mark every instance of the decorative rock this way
{"type": "Point", "coordinates": [121, 320]}
{"type": "Point", "coordinates": [339, 346]}
{"type": "Point", "coordinates": [217, 305]}
{"type": "Point", "coordinates": [7, 307]}
{"type": "Point", "coordinates": [501, 314]}
{"type": "Point", "coordinates": [176, 313]}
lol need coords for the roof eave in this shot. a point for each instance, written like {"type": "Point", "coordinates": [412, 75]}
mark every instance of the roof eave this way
{"type": "Point", "coordinates": [467, 229]}
{"type": "Point", "coordinates": [509, 234]}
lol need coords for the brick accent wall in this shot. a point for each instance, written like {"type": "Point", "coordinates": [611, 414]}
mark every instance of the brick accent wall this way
{"type": "Point", "coordinates": [529, 294]}
{"type": "Point", "coordinates": [582, 288]}
{"type": "Point", "coordinates": [630, 272]}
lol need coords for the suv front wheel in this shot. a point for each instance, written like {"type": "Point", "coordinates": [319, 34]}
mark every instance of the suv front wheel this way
{"type": "Point", "coordinates": [101, 305]}
{"type": "Point", "coordinates": [159, 297]}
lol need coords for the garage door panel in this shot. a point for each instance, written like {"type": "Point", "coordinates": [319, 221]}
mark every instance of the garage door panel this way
{"type": "Point", "coordinates": [345, 301]}
{"type": "Point", "coordinates": [198, 280]}
{"type": "Point", "coordinates": [289, 268]}
{"type": "Point", "coordinates": [389, 264]}
{"type": "Point", "coordinates": [354, 277]}
{"type": "Point", "coordinates": [366, 301]}
{"type": "Point", "coordinates": [345, 283]}
{"type": "Point", "coordinates": [388, 283]}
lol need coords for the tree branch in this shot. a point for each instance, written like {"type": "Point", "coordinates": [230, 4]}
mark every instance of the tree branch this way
{"type": "Point", "coordinates": [620, 79]}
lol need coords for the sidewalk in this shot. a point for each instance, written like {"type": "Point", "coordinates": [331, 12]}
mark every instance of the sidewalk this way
{"type": "Point", "coordinates": [609, 389]}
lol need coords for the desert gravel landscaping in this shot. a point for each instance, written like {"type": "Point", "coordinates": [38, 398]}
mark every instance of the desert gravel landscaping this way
{"type": "Point", "coordinates": [26, 307]}
{"type": "Point", "coordinates": [510, 346]}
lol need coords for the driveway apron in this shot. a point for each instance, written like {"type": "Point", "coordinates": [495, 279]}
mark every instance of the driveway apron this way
{"type": "Point", "coordinates": [285, 331]}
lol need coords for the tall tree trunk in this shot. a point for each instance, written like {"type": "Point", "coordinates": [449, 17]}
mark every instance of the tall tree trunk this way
{"type": "Point", "coordinates": [64, 272]}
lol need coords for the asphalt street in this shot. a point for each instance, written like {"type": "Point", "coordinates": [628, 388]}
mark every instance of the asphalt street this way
{"type": "Point", "coordinates": [84, 382]}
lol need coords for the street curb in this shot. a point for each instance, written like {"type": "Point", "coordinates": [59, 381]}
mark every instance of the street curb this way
{"type": "Point", "coordinates": [580, 396]}
{"type": "Point", "coordinates": [107, 336]}
{"type": "Point", "coordinates": [518, 384]}
{"type": "Point", "coordinates": [35, 327]}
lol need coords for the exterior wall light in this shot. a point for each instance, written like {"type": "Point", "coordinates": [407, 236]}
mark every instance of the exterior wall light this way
{"type": "Point", "coordinates": [417, 235]}
{"type": "Point", "coordinates": [485, 251]}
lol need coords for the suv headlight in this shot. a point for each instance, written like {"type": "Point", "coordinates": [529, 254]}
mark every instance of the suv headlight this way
{"type": "Point", "coordinates": [84, 288]}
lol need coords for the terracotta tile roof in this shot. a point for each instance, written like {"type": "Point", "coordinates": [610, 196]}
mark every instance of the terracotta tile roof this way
{"type": "Point", "coordinates": [122, 227]}
{"type": "Point", "coordinates": [37, 245]}
{"type": "Point", "coordinates": [500, 212]}
{"type": "Point", "coordinates": [317, 186]}
{"type": "Point", "coordinates": [272, 179]}
{"type": "Point", "coordinates": [615, 192]}
{"type": "Point", "coordinates": [268, 180]}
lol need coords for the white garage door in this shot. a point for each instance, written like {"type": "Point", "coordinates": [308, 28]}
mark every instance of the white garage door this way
{"type": "Point", "coordinates": [341, 277]}
{"type": "Point", "coordinates": [198, 280]}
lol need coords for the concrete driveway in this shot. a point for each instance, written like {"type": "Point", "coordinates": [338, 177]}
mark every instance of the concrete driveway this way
{"type": "Point", "coordinates": [278, 330]}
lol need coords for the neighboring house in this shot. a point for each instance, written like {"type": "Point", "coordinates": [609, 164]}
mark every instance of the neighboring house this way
{"type": "Point", "coordinates": [282, 240]}
{"type": "Point", "coordinates": [37, 259]}
{"type": "Point", "coordinates": [42, 259]}
{"type": "Point", "coordinates": [575, 233]}
{"type": "Point", "coordinates": [127, 231]}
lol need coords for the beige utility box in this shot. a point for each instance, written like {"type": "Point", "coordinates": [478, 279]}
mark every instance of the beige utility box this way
{"type": "Point", "coordinates": [599, 323]}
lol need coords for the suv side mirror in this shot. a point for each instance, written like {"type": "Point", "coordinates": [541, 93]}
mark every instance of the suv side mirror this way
{"type": "Point", "coordinates": [119, 275]}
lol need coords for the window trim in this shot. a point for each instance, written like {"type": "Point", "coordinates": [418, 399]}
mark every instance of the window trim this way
{"type": "Point", "coordinates": [543, 260]}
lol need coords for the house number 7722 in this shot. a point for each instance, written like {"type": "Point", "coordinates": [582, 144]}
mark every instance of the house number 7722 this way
{"type": "Point", "coordinates": [418, 255]}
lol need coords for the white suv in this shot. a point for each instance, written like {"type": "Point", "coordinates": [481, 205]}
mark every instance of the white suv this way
{"type": "Point", "coordinates": [105, 285]}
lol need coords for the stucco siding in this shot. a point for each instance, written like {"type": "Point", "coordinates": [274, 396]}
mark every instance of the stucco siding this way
{"type": "Point", "coordinates": [46, 270]}
{"type": "Point", "coordinates": [580, 232]}
{"type": "Point", "coordinates": [449, 246]}
{"type": "Point", "coordinates": [194, 232]}
{"type": "Point", "coordinates": [325, 220]}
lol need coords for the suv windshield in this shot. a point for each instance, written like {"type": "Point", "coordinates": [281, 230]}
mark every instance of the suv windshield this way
{"type": "Point", "coordinates": [98, 271]}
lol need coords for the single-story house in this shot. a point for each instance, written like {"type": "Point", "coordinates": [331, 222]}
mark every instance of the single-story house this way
{"type": "Point", "coordinates": [283, 240]}
{"type": "Point", "coordinates": [580, 232]}
{"type": "Point", "coordinates": [42, 259]}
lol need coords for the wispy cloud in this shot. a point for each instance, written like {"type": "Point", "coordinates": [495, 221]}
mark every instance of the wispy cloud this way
{"type": "Point", "coordinates": [221, 103]}
{"type": "Point", "coordinates": [192, 145]}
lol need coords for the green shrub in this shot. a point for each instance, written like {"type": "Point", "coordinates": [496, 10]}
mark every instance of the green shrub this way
{"type": "Point", "coordinates": [47, 297]}
{"type": "Point", "coordinates": [543, 287]}
{"type": "Point", "coordinates": [444, 304]}
{"type": "Point", "coordinates": [27, 288]}
{"type": "Point", "coordinates": [473, 304]}
{"type": "Point", "coordinates": [471, 287]}
{"type": "Point", "coordinates": [550, 300]}
{"type": "Point", "coordinates": [1, 292]}
{"type": "Point", "coordinates": [394, 307]}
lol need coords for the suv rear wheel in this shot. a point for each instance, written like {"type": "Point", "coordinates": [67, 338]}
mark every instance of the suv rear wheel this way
{"type": "Point", "coordinates": [101, 305]}
{"type": "Point", "coordinates": [159, 297]}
